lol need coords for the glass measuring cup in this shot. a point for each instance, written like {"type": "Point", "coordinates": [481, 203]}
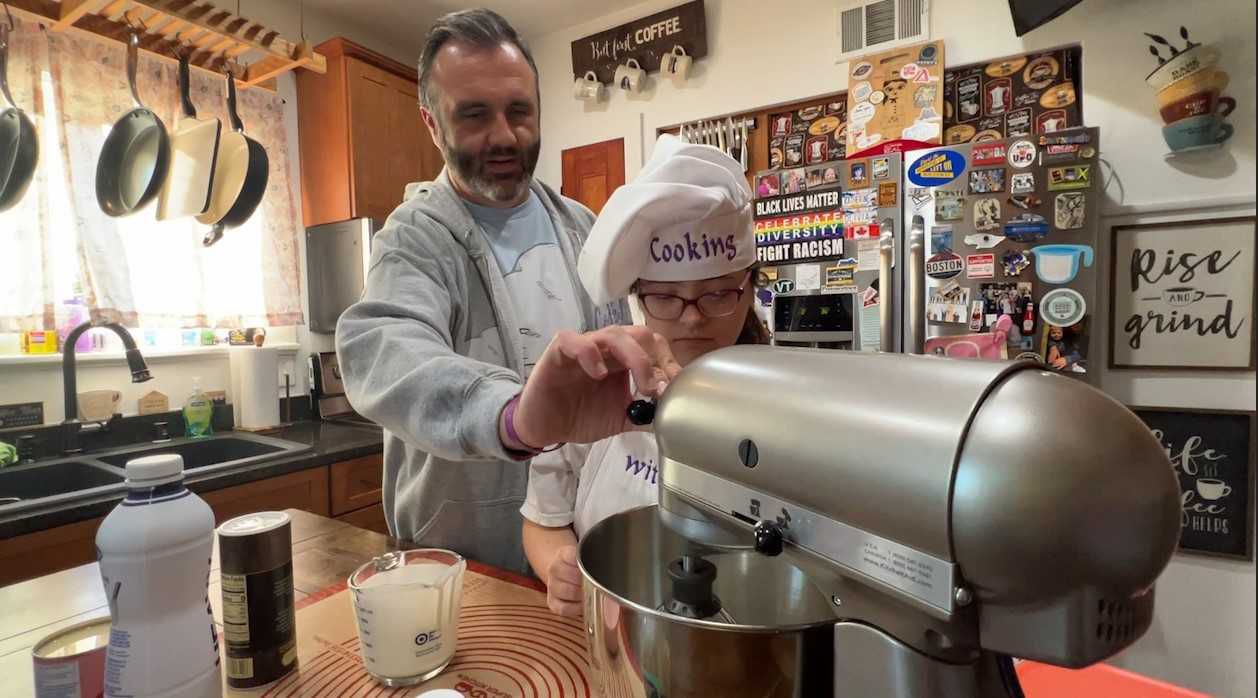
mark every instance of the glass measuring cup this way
{"type": "Point", "coordinates": [406, 608]}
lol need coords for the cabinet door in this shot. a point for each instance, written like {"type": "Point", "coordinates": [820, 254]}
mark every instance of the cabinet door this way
{"type": "Point", "coordinates": [355, 483]}
{"type": "Point", "coordinates": [373, 141]}
{"type": "Point", "coordinates": [409, 162]}
{"type": "Point", "coordinates": [305, 489]}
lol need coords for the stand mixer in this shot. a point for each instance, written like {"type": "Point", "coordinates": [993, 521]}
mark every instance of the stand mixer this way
{"type": "Point", "coordinates": [878, 526]}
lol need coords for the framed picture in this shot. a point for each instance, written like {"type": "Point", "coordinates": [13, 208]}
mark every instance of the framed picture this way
{"type": "Point", "coordinates": [1212, 452]}
{"type": "Point", "coordinates": [1182, 295]}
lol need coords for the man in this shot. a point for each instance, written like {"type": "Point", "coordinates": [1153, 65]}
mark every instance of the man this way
{"type": "Point", "coordinates": [470, 279]}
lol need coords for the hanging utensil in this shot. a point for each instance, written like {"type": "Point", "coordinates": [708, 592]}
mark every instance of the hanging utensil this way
{"type": "Point", "coordinates": [721, 143]}
{"type": "Point", "coordinates": [194, 150]}
{"type": "Point", "coordinates": [19, 144]}
{"type": "Point", "coordinates": [136, 156]}
{"type": "Point", "coordinates": [241, 172]}
{"type": "Point", "coordinates": [745, 157]}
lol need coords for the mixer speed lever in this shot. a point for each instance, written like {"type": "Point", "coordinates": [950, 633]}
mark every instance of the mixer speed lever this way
{"type": "Point", "coordinates": [768, 538]}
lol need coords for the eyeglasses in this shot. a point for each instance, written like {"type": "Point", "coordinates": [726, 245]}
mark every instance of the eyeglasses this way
{"type": "Point", "coordinates": [714, 304]}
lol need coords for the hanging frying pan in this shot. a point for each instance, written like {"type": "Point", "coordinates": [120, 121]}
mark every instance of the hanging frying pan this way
{"type": "Point", "coordinates": [240, 175]}
{"type": "Point", "coordinates": [136, 156]}
{"type": "Point", "coordinates": [194, 149]}
{"type": "Point", "coordinates": [19, 146]}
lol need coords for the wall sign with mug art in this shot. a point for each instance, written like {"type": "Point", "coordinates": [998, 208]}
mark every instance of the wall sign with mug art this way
{"type": "Point", "coordinates": [1182, 295]}
{"type": "Point", "coordinates": [1189, 84]}
{"type": "Point", "coordinates": [649, 41]}
{"type": "Point", "coordinates": [1212, 453]}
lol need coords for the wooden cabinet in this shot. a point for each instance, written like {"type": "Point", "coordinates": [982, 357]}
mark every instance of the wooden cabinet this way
{"type": "Point", "coordinates": [348, 490]}
{"type": "Point", "coordinates": [362, 138]}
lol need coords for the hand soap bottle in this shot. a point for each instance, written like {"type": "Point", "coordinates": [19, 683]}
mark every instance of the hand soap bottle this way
{"type": "Point", "coordinates": [198, 413]}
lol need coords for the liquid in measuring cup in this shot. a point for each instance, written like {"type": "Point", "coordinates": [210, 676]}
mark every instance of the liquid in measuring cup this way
{"type": "Point", "coordinates": [406, 607]}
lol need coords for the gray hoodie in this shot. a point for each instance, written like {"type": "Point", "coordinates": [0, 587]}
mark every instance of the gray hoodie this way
{"type": "Point", "coordinates": [431, 353]}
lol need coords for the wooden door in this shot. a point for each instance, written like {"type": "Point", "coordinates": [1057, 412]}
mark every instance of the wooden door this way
{"type": "Point", "coordinates": [592, 172]}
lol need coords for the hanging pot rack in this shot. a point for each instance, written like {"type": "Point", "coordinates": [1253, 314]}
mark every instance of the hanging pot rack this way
{"type": "Point", "coordinates": [215, 38]}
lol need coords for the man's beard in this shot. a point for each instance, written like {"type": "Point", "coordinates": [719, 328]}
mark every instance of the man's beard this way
{"type": "Point", "coordinates": [470, 168]}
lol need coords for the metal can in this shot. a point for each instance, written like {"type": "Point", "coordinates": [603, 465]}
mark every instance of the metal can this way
{"type": "Point", "coordinates": [259, 619]}
{"type": "Point", "coordinates": [70, 663]}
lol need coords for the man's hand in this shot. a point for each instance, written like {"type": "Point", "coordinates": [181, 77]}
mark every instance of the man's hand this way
{"type": "Point", "coordinates": [563, 583]}
{"type": "Point", "coordinates": [579, 389]}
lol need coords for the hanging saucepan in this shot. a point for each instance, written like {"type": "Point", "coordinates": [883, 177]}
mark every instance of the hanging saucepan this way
{"type": "Point", "coordinates": [240, 175]}
{"type": "Point", "coordinates": [19, 146]}
{"type": "Point", "coordinates": [136, 156]}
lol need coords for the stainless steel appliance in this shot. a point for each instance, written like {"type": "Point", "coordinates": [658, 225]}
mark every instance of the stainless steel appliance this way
{"type": "Point", "coordinates": [904, 532]}
{"type": "Point", "coordinates": [327, 392]}
{"type": "Point", "coordinates": [337, 258]}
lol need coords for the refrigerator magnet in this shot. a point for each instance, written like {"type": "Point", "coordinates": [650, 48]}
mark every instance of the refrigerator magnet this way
{"type": "Point", "coordinates": [987, 214]}
{"type": "Point", "coordinates": [1021, 154]}
{"type": "Point", "coordinates": [1026, 202]}
{"type": "Point", "coordinates": [858, 175]}
{"type": "Point", "coordinates": [1069, 210]}
{"type": "Point", "coordinates": [1022, 183]}
{"type": "Point", "coordinates": [976, 316]}
{"type": "Point", "coordinates": [1015, 262]}
{"type": "Point", "coordinates": [1059, 264]}
{"type": "Point", "coordinates": [1026, 227]}
{"type": "Point", "coordinates": [887, 194]}
{"type": "Point", "coordinates": [987, 181]}
{"type": "Point", "coordinates": [948, 205]}
{"type": "Point", "coordinates": [984, 241]}
{"type": "Point", "coordinates": [941, 238]}
{"type": "Point", "coordinates": [980, 266]}
{"type": "Point", "coordinates": [988, 154]}
{"type": "Point", "coordinates": [881, 168]}
{"type": "Point", "coordinates": [1077, 177]}
{"type": "Point", "coordinates": [1063, 307]}
{"type": "Point", "coordinates": [944, 265]}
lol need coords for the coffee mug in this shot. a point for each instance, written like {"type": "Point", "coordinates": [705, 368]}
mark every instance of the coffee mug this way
{"type": "Point", "coordinates": [1211, 490]}
{"type": "Point", "coordinates": [587, 87]}
{"type": "Point", "coordinates": [1196, 131]}
{"type": "Point", "coordinates": [1181, 296]}
{"type": "Point", "coordinates": [1204, 81]}
{"type": "Point", "coordinates": [1182, 65]}
{"type": "Point", "coordinates": [1196, 105]}
{"type": "Point", "coordinates": [676, 63]}
{"type": "Point", "coordinates": [630, 76]}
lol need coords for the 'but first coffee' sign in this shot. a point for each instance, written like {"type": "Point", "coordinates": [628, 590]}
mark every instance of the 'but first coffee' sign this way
{"type": "Point", "coordinates": [645, 40]}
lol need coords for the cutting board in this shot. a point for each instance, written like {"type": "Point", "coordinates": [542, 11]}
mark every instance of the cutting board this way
{"type": "Point", "coordinates": [510, 646]}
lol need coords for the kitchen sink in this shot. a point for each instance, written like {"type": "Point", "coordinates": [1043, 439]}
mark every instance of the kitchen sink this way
{"type": "Point", "coordinates": [39, 480]}
{"type": "Point", "coordinates": [223, 449]}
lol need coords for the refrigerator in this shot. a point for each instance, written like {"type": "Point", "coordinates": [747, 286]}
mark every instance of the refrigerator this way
{"type": "Point", "coordinates": [1000, 254]}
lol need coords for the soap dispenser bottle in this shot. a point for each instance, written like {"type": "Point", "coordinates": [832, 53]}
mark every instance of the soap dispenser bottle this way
{"type": "Point", "coordinates": [198, 413]}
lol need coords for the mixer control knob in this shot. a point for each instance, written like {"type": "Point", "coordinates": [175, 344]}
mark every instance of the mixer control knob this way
{"type": "Point", "coordinates": [768, 538]}
{"type": "Point", "coordinates": [641, 412]}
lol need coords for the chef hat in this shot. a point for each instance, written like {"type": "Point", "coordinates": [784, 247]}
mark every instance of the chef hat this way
{"type": "Point", "coordinates": [686, 217]}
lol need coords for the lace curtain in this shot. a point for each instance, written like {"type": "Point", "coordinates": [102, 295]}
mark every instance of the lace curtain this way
{"type": "Point", "coordinates": [135, 270]}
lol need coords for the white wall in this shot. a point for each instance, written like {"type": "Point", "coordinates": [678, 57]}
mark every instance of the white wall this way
{"type": "Point", "coordinates": [771, 53]}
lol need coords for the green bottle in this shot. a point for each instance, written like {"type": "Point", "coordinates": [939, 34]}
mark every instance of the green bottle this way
{"type": "Point", "coordinates": [198, 413]}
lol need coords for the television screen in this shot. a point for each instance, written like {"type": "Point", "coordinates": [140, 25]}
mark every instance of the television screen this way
{"type": "Point", "coordinates": [1029, 14]}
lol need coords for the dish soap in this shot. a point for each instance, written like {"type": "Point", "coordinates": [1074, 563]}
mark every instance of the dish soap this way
{"type": "Point", "coordinates": [198, 413]}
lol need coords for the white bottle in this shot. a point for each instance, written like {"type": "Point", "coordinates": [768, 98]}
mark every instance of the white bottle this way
{"type": "Point", "coordinates": [154, 552]}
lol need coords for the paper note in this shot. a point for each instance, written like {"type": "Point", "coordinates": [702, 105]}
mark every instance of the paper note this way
{"type": "Point", "coordinates": [867, 255]}
{"type": "Point", "coordinates": [871, 331]}
{"type": "Point", "coordinates": [808, 277]}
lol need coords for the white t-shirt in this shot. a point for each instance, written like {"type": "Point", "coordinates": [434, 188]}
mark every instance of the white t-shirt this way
{"type": "Point", "coordinates": [582, 484]}
{"type": "Point", "coordinates": [524, 243]}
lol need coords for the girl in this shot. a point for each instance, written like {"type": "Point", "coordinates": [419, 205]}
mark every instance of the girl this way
{"type": "Point", "coordinates": [680, 239]}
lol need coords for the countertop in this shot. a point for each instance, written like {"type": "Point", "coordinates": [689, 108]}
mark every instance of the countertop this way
{"type": "Point", "coordinates": [325, 552]}
{"type": "Point", "coordinates": [329, 443]}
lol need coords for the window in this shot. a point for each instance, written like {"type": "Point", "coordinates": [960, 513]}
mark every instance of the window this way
{"type": "Point", "coordinates": [135, 270]}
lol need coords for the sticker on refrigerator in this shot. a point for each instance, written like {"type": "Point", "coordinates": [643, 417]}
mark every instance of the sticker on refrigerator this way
{"type": "Point", "coordinates": [783, 285]}
{"type": "Point", "coordinates": [988, 154]}
{"type": "Point", "coordinates": [987, 214]}
{"type": "Point", "coordinates": [976, 316]}
{"type": "Point", "coordinates": [1026, 202]}
{"type": "Point", "coordinates": [842, 275]}
{"type": "Point", "coordinates": [936, 168]}
{"type": "Point", "coordinates": [941, 238]}
{"type": "Point", "coordinates": [948, 205]}
{"type": "Point", "coordinates": [1065, 349]}
{"type": "Point", "coordinates": [920, 196]}
{"type": "Point", "coordinates": [949, 303]}
{"type": "Point", "coordinates": [858, 174]}
{"type": "Point", "coordinates": [997, 96]}
{"type": "Point", "coordinates": [1022, 183]}
{"type": "Point", "coordinates": [860, 198]}
{"type": "Point", "coordinates": [1069, 212]}
{"type": "Point", "coordinates": [808, 277]}
{"type": "Point", "coordinates": [868, 255]}
{"type": "Point", "coordinates": [1062, 307]}
{"type": "Point", "coordinates": [984, 241]}
{"type": "Point", "coordinates": [1077, 137]}
{"type": "Point", "coordinates": [987, 181]}
{"type": "Point", "coordinates": [1077, 177]}
{"type": "Point", "coordinates": [1018, 122]}
{"type": "Point", "coordinates": [1006, 303]}
{"type": "Point", "coordinates": [1021, 154]}
{"type": "Point", "coordinates": [887, 194]}
{"type": "Point", "coordinates": [881, 167]}
{"type": "Point", "coordinates": [944, 265]}
{"type": "Point", "coordinates": [1026, 227]}
{"type": "Point", "coordinates": [980, 266]}
{"type": "Point", "coordinates": [1059, 264]}
{"type": "Point", "coordinates": [1015, 262]}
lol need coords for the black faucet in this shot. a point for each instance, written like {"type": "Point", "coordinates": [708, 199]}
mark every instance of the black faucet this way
{"type": "Point", "coordinates": [71, 426]}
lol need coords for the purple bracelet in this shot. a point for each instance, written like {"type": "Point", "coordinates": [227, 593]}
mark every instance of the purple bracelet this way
{"type": "Point", "coordinates": [509, 423]}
